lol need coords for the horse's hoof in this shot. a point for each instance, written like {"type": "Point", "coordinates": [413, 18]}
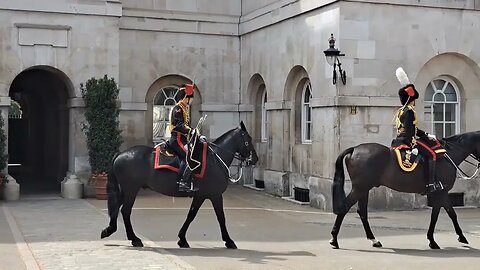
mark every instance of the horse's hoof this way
{"type": "Point", "coordinates": [377, 244]}
{"type": "Point", "coordinates": [183, 244]}
{"type": "Point", "coordinates": [334, 243]}
{"type": "Point", "coordinates": [137, 243]}
{"type": "Point", "coordinates": [434, 245]}
{"type": "Point", "coordinates": [230, 245]}
{"type": "Point", "coordinates": [104, 234]}
{"type": "Point", "coordinates": [462, 239]}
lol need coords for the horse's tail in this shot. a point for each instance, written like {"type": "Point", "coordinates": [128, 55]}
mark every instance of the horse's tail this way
{"type": "Point", "coordinates": [338, 193]}
{"type": "Point", "coordinates": [113, 192]}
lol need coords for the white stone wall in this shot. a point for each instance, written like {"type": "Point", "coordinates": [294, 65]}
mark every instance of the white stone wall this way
{"type": "Point", "coordinates": [44, 33]}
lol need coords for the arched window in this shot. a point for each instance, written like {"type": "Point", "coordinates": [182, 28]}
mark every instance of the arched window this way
{"type": "Point", "coordinates": [442, 107]}
{"type": "Point", "coordinates": [264, 115]}
{"type": "Point", "coordinates": [15, 110]}
{"type": "Point", "coordinates": [163, 103]}
{"type": "Point", "coordinates": [306, 113]}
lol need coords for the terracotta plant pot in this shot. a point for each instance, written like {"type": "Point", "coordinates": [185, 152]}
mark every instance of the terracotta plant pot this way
{"type": "Point", "coordinates": [100, 186]}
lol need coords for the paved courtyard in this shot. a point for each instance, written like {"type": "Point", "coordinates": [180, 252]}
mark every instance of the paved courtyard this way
{"type": "Point", "coordinates": [53, 233]}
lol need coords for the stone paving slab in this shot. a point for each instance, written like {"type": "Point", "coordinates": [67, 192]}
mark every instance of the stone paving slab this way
{"type": "Point", "coordinates": [65, 234]}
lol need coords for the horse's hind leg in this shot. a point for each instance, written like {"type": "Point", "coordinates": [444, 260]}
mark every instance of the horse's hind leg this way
{"type": "Point", "coordinates": [217, 202]}
{"type": "Point", "coordinates": [363, 213]}
{"type": "Point", "coordinates": [128, 200]}
{"type": "Point", "coordinates": [350, 200]}
{"type": "Point", "coordinates": [196, 204]}
{"type": "Point", "coordinates": [453, 216]}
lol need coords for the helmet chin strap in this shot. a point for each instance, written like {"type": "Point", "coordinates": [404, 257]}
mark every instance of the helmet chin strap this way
{"type": "Point", "coordinates": [406, 103]}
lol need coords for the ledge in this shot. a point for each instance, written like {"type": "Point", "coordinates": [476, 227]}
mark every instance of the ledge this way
{"type": "Point", "coordinates": [361, 101]}
{"type": "Point", "coordinates": [42, 26]}
{"type": "Point", "coordinates": [101, 8]}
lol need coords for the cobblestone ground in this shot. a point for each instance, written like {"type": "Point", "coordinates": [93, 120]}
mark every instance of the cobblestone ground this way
{"type": "Point", "coordinates": [65, 234]}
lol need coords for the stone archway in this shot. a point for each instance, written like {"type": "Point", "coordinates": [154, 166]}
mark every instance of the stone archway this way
{"type": "Point", "coordinates": [38, 141]}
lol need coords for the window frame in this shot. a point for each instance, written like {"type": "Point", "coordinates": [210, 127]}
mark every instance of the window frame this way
{"type": "Point", "coordinates": [177, 96]}
{"type": "Point", "coordinates": [429, 104]}
{"type": "Point", "coordinates": [264, 117]}
{"type": "Point", "coordinates": [304, 107]}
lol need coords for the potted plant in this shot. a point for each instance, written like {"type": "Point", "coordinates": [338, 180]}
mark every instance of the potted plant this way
{"type": "Point", "coordinates": [102, 128]}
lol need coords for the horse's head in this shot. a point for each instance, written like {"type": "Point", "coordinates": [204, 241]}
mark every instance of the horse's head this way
{"type": "Point", "coordinates": [476, 144]}
{"type": "Point", "coordinates": [246, 149]}
{"type": "Point", "coordinates": [468, 143]}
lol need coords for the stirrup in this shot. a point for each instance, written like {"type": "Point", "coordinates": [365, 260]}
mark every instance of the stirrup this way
{"type": "Point", "coordinates": [436, 186]}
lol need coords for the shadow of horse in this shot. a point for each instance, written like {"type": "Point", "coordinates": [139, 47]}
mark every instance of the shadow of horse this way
{"type": "Point", "coordinates": [449, 252]}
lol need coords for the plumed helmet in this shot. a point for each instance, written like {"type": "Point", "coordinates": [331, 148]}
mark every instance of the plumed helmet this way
{"type": "Point", "coordinates": [407, 93]}
{"type": "Point", "coordinates": [188, 88]}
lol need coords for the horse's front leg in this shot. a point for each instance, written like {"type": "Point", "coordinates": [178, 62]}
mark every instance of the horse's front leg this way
{"type": "Point", "coordinates": [453, 216]}
{"type": "Point", "coordinates": [217, 202]}
{"type": "Point", "coordinates": [433, 220]}
{"type": "Point", "coordinates": [196, 204]}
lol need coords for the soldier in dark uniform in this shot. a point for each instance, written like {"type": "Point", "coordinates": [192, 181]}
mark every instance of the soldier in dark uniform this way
{"type": "Point", "coordinates": [181, 131]}
{"type": "Point", "coordinates": [409, 134]}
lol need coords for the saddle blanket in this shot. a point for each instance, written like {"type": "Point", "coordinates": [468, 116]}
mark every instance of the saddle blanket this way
{"type": "Point", "coordinates": [196, 159]}
{"type": "Point", "coordinates": [408, 161]}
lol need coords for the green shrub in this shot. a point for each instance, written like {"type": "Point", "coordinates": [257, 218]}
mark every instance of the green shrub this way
{"type": "Point", "coordinates": [102, 127]}
{"type": "Point", "coordinates": [3, 145]}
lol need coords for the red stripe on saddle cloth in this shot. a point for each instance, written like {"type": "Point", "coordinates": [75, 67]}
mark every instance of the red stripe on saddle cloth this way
{"type": "Point", "coordinates": [400, 147]}
{"type": "Point", "coordinates": [204, 162]}
{"type": "Point", "coordinates": [434, 155]}
{"type": "Point", "coordinates": [199, 175]}
{"type": "Point", "coordinates": [157, 165]}
{"type": "Point", "coordinates": [437, 145]}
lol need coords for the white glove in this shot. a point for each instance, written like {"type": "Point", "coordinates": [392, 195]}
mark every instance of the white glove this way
{"type": "Point", "coordinates": [203, 138]}
{"type": "Point", "coordinates": [432, 137]}
{"type": "Point", "coordinates": [192, 133]}
{"type": "Point", "coordinates": [415, 151]}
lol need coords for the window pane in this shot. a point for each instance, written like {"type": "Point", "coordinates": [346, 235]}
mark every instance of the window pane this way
{"type": "Point", "coordinates": [308, 113]}
{"type": "Point", "coordinates": [306, 98]}
{"type": "Point", "coordinates": [439, 84]}
{"type": "Point", "coordinates": [438, 112]}
{"type": "Point", "coordinates": [308, 135]}
{"type": "Point", "coordinates": [450, 93]}
{"type": "Point", "coordinates": [429, 93]}
{"type": "Point", "coordinates": [450, 111]}
{"type": "Point", "coordinates": [439, 97]}
{"type": "Point", "coordinates": [449, 130]}
{"type": "Point", "coordinates": [439, 130]}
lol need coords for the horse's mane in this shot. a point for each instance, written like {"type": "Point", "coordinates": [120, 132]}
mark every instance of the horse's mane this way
{"type": "Point", "coordinates": [463, 137]}
{"type": "Point", "coordinates": [224, 136]}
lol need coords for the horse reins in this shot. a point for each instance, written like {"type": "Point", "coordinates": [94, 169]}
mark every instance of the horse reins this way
{"type": "Point", "coordinates": [462, 174]}
{"type": "Point", "coordinates": [235, 156]}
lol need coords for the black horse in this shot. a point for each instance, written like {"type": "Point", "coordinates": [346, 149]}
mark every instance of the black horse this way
{"type": "Point", "coordinates": [372, 165]}
{"type": "Point", "coordinates": [134, 168]}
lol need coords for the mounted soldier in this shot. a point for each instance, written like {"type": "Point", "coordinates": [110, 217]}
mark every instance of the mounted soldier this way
{"type": "Point", "coordinates": [408, 133]}
{"type": "Point", "coordinates": [181, 133]}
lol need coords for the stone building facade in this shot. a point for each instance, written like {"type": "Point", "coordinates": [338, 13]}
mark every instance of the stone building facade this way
{"type": "Point", "coordinates": [260, 61]}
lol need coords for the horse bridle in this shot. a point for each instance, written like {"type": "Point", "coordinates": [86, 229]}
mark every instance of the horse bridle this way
{"type": "Point", "coordinates": [236, 155]}
{"type": "Point", "coordinates": [463, 175]}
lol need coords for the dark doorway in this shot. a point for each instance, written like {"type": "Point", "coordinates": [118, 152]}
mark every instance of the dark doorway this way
{"type": "Point", "coordinates": [38, 140]}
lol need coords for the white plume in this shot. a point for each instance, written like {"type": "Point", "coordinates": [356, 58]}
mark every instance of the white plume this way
{"type": "Point", "coordinates": [402, 76]}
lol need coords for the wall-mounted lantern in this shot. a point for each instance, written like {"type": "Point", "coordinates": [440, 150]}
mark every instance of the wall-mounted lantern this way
{"type": "Point", "coordinates": [332, 54]}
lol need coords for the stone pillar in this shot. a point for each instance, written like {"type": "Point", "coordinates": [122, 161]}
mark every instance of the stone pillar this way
{"type": "Point", "coordinates": [11, 192]}
{"type": "Point", "coordinates": [71, 187]}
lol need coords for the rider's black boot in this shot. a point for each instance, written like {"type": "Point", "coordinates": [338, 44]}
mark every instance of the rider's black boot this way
{"type": "Point", "coordinates": [184, 179]}
{"type": "Point", "coordinates": [432, 185]}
